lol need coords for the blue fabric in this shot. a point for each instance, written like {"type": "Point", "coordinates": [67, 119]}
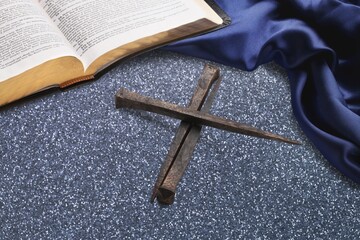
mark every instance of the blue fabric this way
{"type": "Point", "coordinates": [318, 42]}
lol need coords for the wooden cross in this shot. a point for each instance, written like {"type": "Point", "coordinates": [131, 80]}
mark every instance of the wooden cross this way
{"type": "Point", "coordinates": [188, 133]}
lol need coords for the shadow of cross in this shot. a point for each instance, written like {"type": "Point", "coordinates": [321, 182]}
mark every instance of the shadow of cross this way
{"type": "Point", "coordinates": [188, 133]}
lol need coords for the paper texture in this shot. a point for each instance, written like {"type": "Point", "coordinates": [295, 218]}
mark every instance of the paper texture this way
{"type": "Point", "coordinates": [27, 39]}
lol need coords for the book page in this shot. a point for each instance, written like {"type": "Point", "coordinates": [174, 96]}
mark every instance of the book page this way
{"type": "Point", "coordinates": [27, 38]}
{"type": "Point", "coordinates": [94, 27]}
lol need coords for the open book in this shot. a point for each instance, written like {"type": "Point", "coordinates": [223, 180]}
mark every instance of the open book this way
{"type": "Point", "coordinates": [45, 43]}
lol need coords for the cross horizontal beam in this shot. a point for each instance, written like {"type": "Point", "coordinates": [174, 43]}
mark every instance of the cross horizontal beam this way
{"type": "Point", "coordinates": [128, 99]}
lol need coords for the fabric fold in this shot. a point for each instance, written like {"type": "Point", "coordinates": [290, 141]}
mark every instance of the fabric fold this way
{"type": "Point", "coordinates": [318, 42]}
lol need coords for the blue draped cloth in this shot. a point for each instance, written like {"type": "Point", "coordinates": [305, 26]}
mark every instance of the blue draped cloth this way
{"type": "Point", "coordinates": [318, 43]}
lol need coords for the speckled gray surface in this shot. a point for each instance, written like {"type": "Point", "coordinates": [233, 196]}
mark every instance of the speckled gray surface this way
{"type": "Point", "coordinates": [74, 167]}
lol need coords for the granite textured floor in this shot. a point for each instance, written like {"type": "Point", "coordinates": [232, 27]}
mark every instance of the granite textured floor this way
{"type": "Point", "coordinates": [74, 167]}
